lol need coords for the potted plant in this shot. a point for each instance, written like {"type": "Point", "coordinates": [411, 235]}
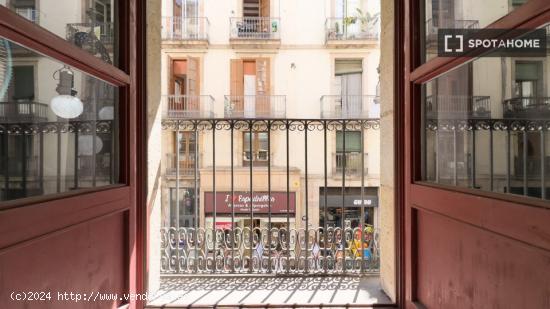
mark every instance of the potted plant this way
{"type": "Point", "coordinates": [368, 21]}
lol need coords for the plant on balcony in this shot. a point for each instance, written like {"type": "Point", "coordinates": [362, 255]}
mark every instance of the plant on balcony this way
{"type": "Point", "coordinates": [368, 21]}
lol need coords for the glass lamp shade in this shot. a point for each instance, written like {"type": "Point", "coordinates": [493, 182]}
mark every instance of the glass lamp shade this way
{"type": "Point", "coordinates": [66, 106]}
{"type": "Point", "coordinates": [86, 146]}
{"type": "Point", "coordinates": [107, 113]}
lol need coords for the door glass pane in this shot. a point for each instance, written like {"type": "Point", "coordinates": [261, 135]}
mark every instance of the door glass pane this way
{"type": "Point", "coordinates": [88, 24]}
{"type": "Point", "coordinates": [57, 126]}
{"type": "Point", "coordinates": [460, 14]}
{"type": "Point", "coordinates": [486, 126]}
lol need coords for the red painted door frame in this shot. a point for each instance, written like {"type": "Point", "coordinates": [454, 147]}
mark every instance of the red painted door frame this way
{"type": "Point", "coordinates": [91, 239]}
{"type": "Point", "coordinates": [491, 221]}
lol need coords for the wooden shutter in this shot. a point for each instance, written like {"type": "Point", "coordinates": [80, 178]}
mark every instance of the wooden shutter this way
{"type": "Point", "coordinates": [263, 76]}
{"type": "Point", "coordinates": [193, 85]}
{"type": "Point", "coordinates": [237, 84]}
{"type": "Point", "coordinates": [264, 8]}
{"type": "Point", "coordinates": [263, 86]}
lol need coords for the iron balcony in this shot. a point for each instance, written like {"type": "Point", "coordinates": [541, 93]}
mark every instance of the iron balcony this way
{"type": "Point", "coordinates": [255, 106]}
{"type": "Point", "coordinates": [177, 28]}
{"type": "Point", "coordinates": [350, 106]}
{"type": "Point", "coordinates": [188, 106]}
{"type": "Point", "coordinates": [453, 106]}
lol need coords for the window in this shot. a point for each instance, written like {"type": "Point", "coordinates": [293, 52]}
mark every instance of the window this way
{"type": "Point", "coordinates": [60, 125]}
{"type": "Point", "coordinates": [186, 209]}
{"type": "Point", "coordinates": [528, 79]}
{"type": "Point", "coordinates": [503, 149]}
{"type": "Point", "coordinates": [353, 141]}
{"type": "Point", "coordinates": [88, 24]}
{"type": "Point", "coordinates": [22, 85]}
{"type": "Point", "coordinates": [259, 155]}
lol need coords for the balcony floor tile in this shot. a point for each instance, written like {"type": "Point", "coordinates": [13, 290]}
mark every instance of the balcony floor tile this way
{"type": "Point", "coordinates": [235, 290]}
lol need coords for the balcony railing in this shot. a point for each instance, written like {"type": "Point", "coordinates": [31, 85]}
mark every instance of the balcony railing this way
{"type": "Point", "coordinates": [431, 28]}
{"type": "Point", "coordinates": [23, 112]}
{"type": "Point", "coordinates": [190, 250]}
{"type": "Point", "coordinates": [255, 28]}
{"type": "Point", "coordinates": [449, 107]}
{"type": "Point", "coordinates": [527, 107]}
{"type": "Point", "coordinates": [352, 163]}
{"type": "Point", "coordinates": [98, 166]}
{"type": "Point", "coordinates": [255, 106]}
{"type": "Point", "coordinates": [350, 106]}
{"type": "Point", "coordinates": [188, 28]}
{"type": "Point", "coordinates": [350, 28]}
{"type": "Point", "coordinates": [29, 13]}
{"type": "Point", "coordinates": [104, 32]}
{"type": "Point", "coordinates": [188, 106]}
{"type": "Point", "coordinates": [186, 164]}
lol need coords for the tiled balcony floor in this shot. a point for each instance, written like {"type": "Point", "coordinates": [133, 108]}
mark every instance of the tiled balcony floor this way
{"type": "Point", "coordinates": [201, 291]}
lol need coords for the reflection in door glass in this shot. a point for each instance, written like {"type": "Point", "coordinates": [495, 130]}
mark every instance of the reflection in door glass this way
{"type": "Point", "coordinates": [57, 126]}
{"type": "Point", "coordinates": [461, 14]}
{"type": "Point", "coordinates": [487, 126]}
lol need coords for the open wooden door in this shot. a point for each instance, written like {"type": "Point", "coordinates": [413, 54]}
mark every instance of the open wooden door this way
{"type": "Point", "coordinates": [476, 180]}
{"type": "Point", "coordinates": [69, 232]}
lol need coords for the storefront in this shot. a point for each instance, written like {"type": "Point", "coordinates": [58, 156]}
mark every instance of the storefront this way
{"type": "Point", "coordinates": [348, 209]}
{"type": "Point", "coordinates": [239, 207]}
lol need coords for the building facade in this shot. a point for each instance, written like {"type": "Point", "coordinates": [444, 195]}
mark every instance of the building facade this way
{"type": "Point", "coordinates": [269, 60]}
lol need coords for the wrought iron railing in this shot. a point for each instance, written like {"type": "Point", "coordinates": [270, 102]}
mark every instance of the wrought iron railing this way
{"type": "Point", "coordinates": [526, 107]}
{"type": "Point", "coordinates": [276, 251]}
{"type": "Point", "coordinates": [23, 112]}
{"type": "Point", "coordinates": [98, 165]}
{"type": "Point", "coordinates": [255, 28]}
{"type": "Point", "coordinates": [186, 166]}
{"type": "Point", "coordinates": [350, 28]}
{"type": "Point", "coordinates": [352, 163]}
{"type": "Point", "coordinates": [350, 106]}
{"type": "Point", "coordinates": [432, 27]}
{"type": "Point", "coordinates": [29, 13]}
{"type": "Point", "coordinates": [185, 28]}
{"type": "Point", "coordinates": [225, 239]}
{"type": "Point", "coordinates": [507, 155]}
{"type": "Point", "coordinates": [453, 106]}
{"type": "Point", "coordinates": [255, 106]}
{"type": "Point", "coordinates": [188, 106]}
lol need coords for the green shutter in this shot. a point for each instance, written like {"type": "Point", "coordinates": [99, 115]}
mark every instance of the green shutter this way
{"type": "Point", "coordinates": [23, 83]}
{"type": "Point", "coordinates": [528, 70]}
{"type": "Point", "coordinates": [353, 142]}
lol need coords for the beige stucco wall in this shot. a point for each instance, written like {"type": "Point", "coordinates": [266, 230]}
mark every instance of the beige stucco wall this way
{"type": "Point", "coordinates": [387, 176]}
{"type": "Point", "coordinates": [154, 133]}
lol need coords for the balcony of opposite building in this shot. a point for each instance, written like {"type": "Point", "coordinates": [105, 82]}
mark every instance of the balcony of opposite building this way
{"type": "Point", "coordinates": [255, 32]}
{"type": "Point", "coordinates": [458, 107]}
{"type": "Point", "coordinates": [255, 106]}
{"type": "Point", "coordinates": [350, 106]}
{"type": "Point", "coordinates": [186, 32]}
{"type": "Point", "coordinates": [187, 106]}
{"type": "Point", "coordinates": [351, 32]}
{"type": "Point", "coordinates": [16, 112]}
{"type": "Point", "coordinates": [527, 107]}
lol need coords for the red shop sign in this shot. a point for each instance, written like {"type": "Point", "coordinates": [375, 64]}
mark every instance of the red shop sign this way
{"type": "Point", "coordinates": [241, 202]}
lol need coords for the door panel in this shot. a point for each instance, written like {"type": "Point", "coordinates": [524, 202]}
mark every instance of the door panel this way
{"type": "Point", "coordinates": [470, 241]}
{"type": "Point", "coordinates": [75, 259]}
{"type": "Point", "coordinates": [80, 237]}
{"type": "Point", "coordinates": [464, 266]}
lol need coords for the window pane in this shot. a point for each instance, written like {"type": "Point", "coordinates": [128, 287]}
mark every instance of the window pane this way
{"type": "Point", "coordinates": [57, 126]}
{"type": "Point", "coordinates": [461, 14]}
{"type": "Point", "coordinates": [487, 126]}
{"type": "Point", "coordinates": [88, 24]}
{"type": "Point", "coordinates": [353, 142]}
